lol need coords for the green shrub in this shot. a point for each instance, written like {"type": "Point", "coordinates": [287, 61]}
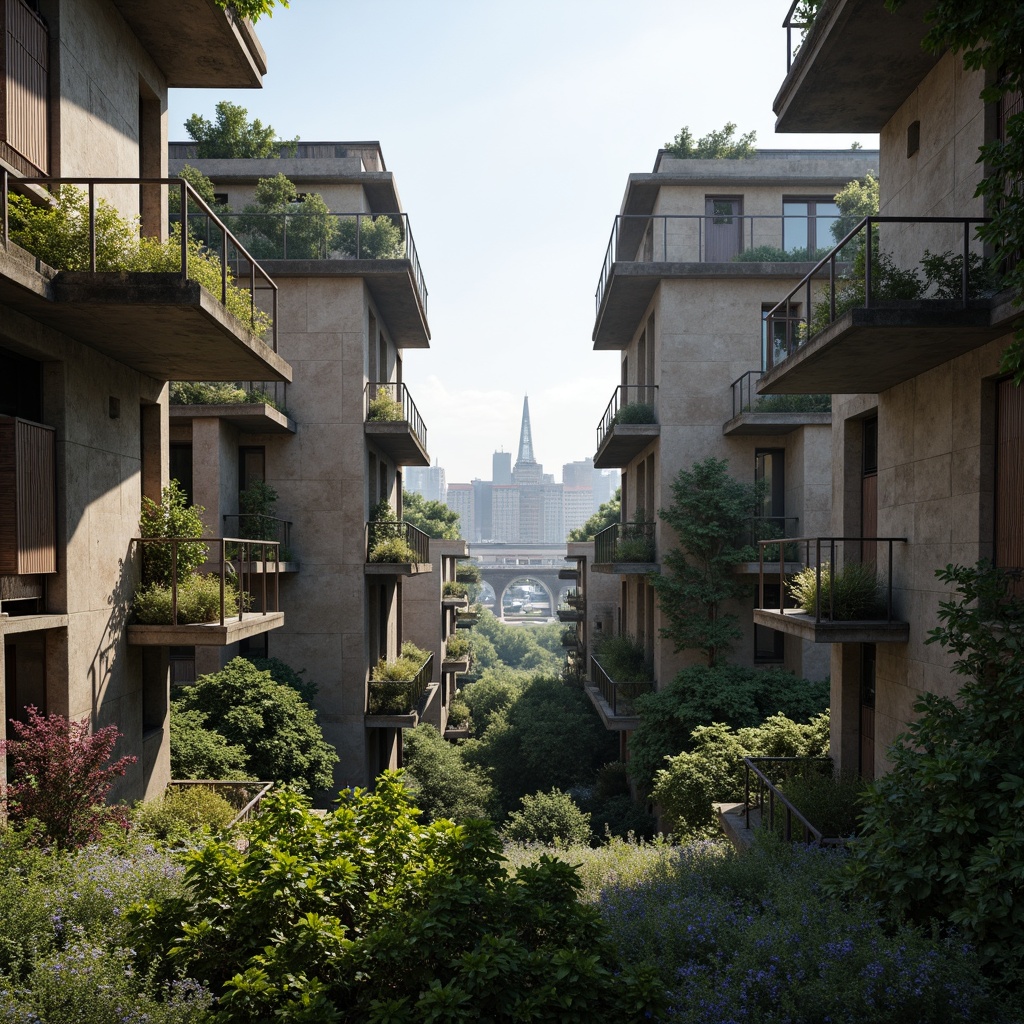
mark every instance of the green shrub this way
{"type": "Point", "coordinates": [624, 657]}
{"type": "Point", "coordinates": [852, 593]}
{"type": "Point", "coordinates": [636, 412]}
{"type": "Point", "coordinates": [713, 769]}
{"type": "Point", "coordinates": [269, 720]}
{"type": "Point", "coordinates": [198, 601]}
{"type": "Point", "coordinates": [392, 549]}
{"type": "Point", "coordinates": [390, 697]}
{"type": "Point", "coordinates": [442, 784]}
{"type": "Point", "coordinates": [458, 712]}
{"type": "Point", "coordinates": [457, 646]}
{"type": "Point", "coordinates": [384, 407]}
{"type": "Point", "coordinates": [370, 238]}
{"type": "Point", "coordinates": [830, 803]}
{"type": "Point", "coordinates": [402, 921]}
{"type": "Point", "coordinates": [793, 403]}
{"type": "Point", "coordinates": [207, 392]}
{"type": "Point", "coordinates": [635, 543]}
{"type": "Point", "coordinates": [454, 588]}
{"type": "Point", "coordinates": [402, 669]}
{"type": "Point", "coordinates": [620, 817]}
{"type": "Point", "coordinates": [940, 837]}
{"type": "Point", "coordinates": [467, 572]}
{"type": "Point", "coordinates": [199, 752]}
{"type": "Point", "coordinates": [184, 810]}
{"type": "Point", "coordinates": [171, 517]}
{"type": "Point", "coordinates": [945, 272]}
{"type": "Point", "coordinates": [549, 818]}
{"type": "Point", "coordinates": [772, 254]}
{"type": "Point", "coordinates": [276, 226]}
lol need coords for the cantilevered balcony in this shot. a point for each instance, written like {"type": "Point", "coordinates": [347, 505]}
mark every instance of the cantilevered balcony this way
{"type": "Point", "coordinates": [396, 548]}
{"type": "Point", "coordinates": [645, 249]}
{"type": "Point", "coordinates": [926, 295]}
{"type": "Point", "coordinates": [613, 698]}
{"type": "Point", "coordinates": [163, 323]}
{"type": "Point", "coordinates": [626, 549]}
{"type": "Point", "coordinates": [258, 527]}
{"type": "Point", "coordinates": [782, 529]}
{"type": "Point", "coordinates": [771, 415]}
{"type": "Point", "coordinates": [628, 426]}
{"type": "Point", "coordinates": [393, 423]}
{"type": "Point", "coordinates": [393, 703]}
{"type": "Point", "coordinates": [246, 601]}
{"type": "Point", "coordinates": [252, 407]}
{"type": "Point", "coordinates": [842, 593]}
{"type": "Point", "coordinates": [854, 65]}
{"type": "Point", "coordinates": [377, 247]}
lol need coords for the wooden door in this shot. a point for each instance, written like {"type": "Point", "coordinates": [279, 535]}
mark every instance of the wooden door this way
{"type": "Point", "coordinates": [723, 228]}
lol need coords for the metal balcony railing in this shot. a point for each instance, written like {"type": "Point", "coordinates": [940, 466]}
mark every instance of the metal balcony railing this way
{"type": "Point", "coordinates": [223, 242]}
{"type": "Point", "coordinates": [746, 399]}
{"type": "Point", "coordinates": [710, 238]}
{"type": "Point", "coordinates": [936, 259]}
{"type": "Point", "coordinates": [389, 402]}
{"type": "Point", "coordinates": [245, 797]}
{"type": "Point", "coordinates": [625, 542]}
{"type": "Point", "coordinates": [259, 527]}
{"type": "Point", "coordinates": [380, 533]}
{"type": "Point", "coordinates": [630, 403]}
{"type": "Point", "coordinates": [619, 696]}
{"type": "Point", "coordinates": [231, 393]}
{"type": "Point", "coordinates": [307, 234]}
{"type": "Point", "coordinates": [854, 592]}
{"type": "Point", "coordinates": [237, 558]}
{"type": "Point", "coordinates": [789, 23]}
{"type": "Point", "coordinates": [754, 766]}
{"type": "Point", "coordinates": [399, 696]}
{"type": "Point", "coordinates": [773, 528]}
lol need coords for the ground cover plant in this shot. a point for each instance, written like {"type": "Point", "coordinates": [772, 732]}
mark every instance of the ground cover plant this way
{"type": "Point", "coordinates": [852, 592]}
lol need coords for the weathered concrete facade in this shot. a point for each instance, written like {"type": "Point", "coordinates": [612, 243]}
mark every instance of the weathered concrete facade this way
{"type": "Point", "coordinates": [81, 355]}
{"type": "Point", "coordinates": [934, 428]}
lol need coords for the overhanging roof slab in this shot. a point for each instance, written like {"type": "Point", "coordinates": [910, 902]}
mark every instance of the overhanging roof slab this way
{"type": "Point", "coordinates": [398, 441]}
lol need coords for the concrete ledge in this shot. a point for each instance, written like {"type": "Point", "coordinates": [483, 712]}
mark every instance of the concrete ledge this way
{"type": "Point", "coordinates": [798, 623]}
{"type": "Point", "coordinates": [612, 722]}
{"type": "Point", "coordinates": [455, 665]}
{"type": "Point", "coordinates": [398, 440]}
{"type": "Point", "coordinates": [627, 568]}
{"type": "Point", "coordinates": [454, 602]}
{"type": "Point", "coordinates": [409, 721]}
{"type": "Point", "coordinates": [10, 624]}
{"type": "Point", "coordinates": [624, 442]}
{"type": "Point", "coordinates": [732, 818]}
{"type": "Point", "coordinates": [396, 568]}
{"type": "Point", "coordinates": [205, 634]}
{"type": "Point", "coordinates": [773, 424]}
{"type": "Point", "coordinates": [250, 417]}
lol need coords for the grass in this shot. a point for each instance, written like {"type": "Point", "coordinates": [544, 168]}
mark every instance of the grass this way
{"type": "Point", "coordinates": [852, 593]}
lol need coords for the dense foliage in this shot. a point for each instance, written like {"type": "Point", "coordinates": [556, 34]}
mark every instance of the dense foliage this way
{"type": "Point", "coordinates": [942, 837]}
{"type": "Point", "coordinates": [731, 694]}
{"type": "Point", "coordinates": [366, 915]}
{"type": "Point", "coordinates": [548, 818]}
{"type": "Point", "coordinates": [270, 721]}
{"type": "Point", "coordinates": [434, 518]}
{"type": "Point", "coordinates": [59, 777]}
{"type": "Point", "coordinates": [231, 135]}
{"type": "Point", "coordinates": [442, 783]}
{"type": "Point", "coordinates": [716, 145]}
{"type": "Point", "coordinates": [710, 514]}
{"type": "Point", "coordinates": [251, 9]}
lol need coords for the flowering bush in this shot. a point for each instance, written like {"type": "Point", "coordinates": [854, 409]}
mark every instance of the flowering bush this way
{"type": "Point", "coordinates": [60, 777]}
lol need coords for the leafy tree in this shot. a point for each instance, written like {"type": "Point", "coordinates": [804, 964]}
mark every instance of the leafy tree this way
{"type": "Point", "coordinates": [171, 517]}
{"type": "Point", "coordinates": [251, 9]}
{"type": "Point", "coordinates": [198, 752]}
{"type": "Point", "coordinates": [550, 819]}
{"type": "Point", "coordinates": [442, 784]}
{"type": "Point", "coordinates": [709, 512]}
{"type": "Point", "coordinates": [609, 513]}
{"type": "Point", "coordinates": [432, 517]}
{"type": "Point", "coordinates": [988, 36]}
{"type": "Point", "coordinates": [941, 833]}
{"type": "Point", "coordinates": [59, 776]}
{"type": "Point", "coordinates": [731, 694]}
{"type": "Point", "coordinates": [367, 915]}
{"type": "Point", "coordinates": [716, 145]}
{"type": "Point", "coordinates": [269, 720]}
{"type": "Point", "coordinates": [278, 226]}
{"type": "Point", "coordinates": [231, 135]}
{"type": "Point", "coordinates": [281, 672]}
{"type": "Point", "coordinates": [856, 200]}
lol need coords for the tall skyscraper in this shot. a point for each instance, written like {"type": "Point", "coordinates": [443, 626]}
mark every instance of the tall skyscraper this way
{"type": "Point", "coordinates": [428, 481]}
{"type": "Point", "coordinates": [501, 468]}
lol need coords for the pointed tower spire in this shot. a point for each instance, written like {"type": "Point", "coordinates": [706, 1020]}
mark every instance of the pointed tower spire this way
{"type": "Point", "coordinates": [525, 437]}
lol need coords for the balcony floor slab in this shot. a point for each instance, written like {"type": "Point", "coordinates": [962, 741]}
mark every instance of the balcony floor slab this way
{"type": "Point", "coordinates": [626, 568]}
{"type": "Point", "coordinates": [772, 424]}
{"type": "Point", "coordinates": [623, 443]}
{"type": "Point", "coordinates": [398, 441]}
{"type": "Point", "coordinates": [612, 722]}
{"type": "Point", "coordinates": [397, 568]}
{"type": "Point", "coordinates": [798, 623]}
{"type": "Point", "coordinates": [249, 418]}
{"type": "Point", "coordinates": [10, 624]}
{"type": "Point", "coordinates": [205, 634]}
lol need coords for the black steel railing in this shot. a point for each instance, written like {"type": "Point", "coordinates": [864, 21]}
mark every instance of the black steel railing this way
{"type": "Point", "coordinates": [710, 238]}
{"type": "Point", "coordinates": [764, 787]}
{"type": "Point", "coordinates": [854, 592]}
{"type": "Point", "coordinates": [225, 246]}
{"type": "Point", "coordinates": [618, 695]}
{"type": "Point", "coordinates": [389, 402]}
{"type": "Point", "coordinates": [773, 528]}
{"type": "Point", "coordinates": [625, 542]}
{"type": "Point", "coordinates": [309, 234]}
{"type": "Point", "coordinates": [746, 399]}
{"type": "Point", "coordinates": [258, 527]}
{"type": "Point", "coordinates": [399, 696]}
{"type": "Point", "coordinates": [920, 266]}
{"type": "Point", "coordinates": [236, 559]}
{"type": "Point", "coordinates": [570, 638]}
{"type": "Point", "coordinates": [789, 23]}
{"type": "Point", "coordinates": [379, 535]}
{"type": "Point", "coordinates": [630, 403]}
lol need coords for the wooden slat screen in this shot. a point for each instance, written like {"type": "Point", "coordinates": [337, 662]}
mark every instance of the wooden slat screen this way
{"type": "Point", "coordinates": [1009, 538]}
{"type": "Point", "coordinates": [23, 76]}
{"type": "Point", "coordinates": [28, 530]}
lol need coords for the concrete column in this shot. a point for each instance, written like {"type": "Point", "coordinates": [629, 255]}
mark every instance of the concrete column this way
{"type": "Point", "coordinates": [844, 733]}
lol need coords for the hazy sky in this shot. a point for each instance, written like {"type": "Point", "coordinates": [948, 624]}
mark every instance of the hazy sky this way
{"type": "Point", "coordinates": [510, 129]}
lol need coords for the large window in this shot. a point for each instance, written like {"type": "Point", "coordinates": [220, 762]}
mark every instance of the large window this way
{"type": "Point", "coordinates": [807, 225]}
